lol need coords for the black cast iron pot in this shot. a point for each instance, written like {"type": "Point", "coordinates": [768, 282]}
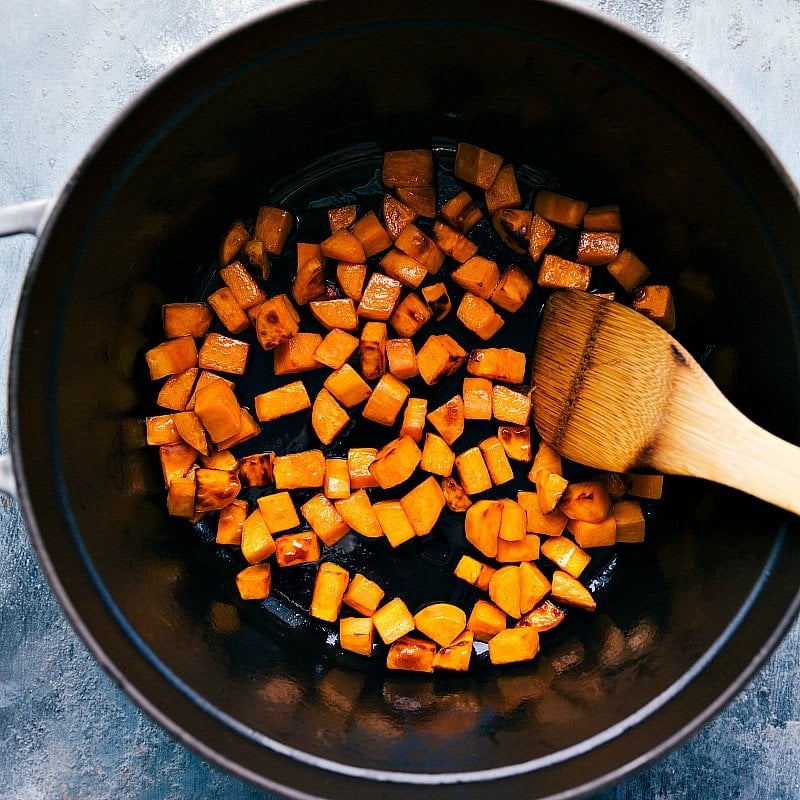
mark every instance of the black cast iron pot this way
{"type": "Point", "coordinates": [254, 117]}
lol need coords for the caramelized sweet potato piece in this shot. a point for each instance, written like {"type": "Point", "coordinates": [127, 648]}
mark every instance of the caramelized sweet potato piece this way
{"type": "Point", "coordinates": [537, 521]}
{"type": "Point", "coordinates": [504, 590]}
{"type": "Point", "coordinates": [254, 582]}
{"type": "Point", "coordinates": [358, 513]}
{"type": "Point", "coordinates": [462, 212]}
{"type": "Point", "coordinates": [328, 418]}
{"type": "Point", "coordinates": [646, 486]}
{"type": "Point", "coordinates": [411, 653]}
{"type": "Point", "coordinates": [278, 511]}
{"type": "Point", "coordinates": [421, 199]}
{"type": "Point", "coordinates": [587, 501]}
{"type": "Point", "coordinates": [256, 255]}
{"type": "Point", "coordinates": [396, 215]}
{"type": "Point", "coordinates": [232, 242]}
{"type": "Point", "coordinates": [413, 242]}
{"type": "Point", "coordinates": [336, 348]}
{"type": "Point", "coordinates": [403, 268]}
{"type": "Point", "coordinates": [287, 399]}
{"type": "Point", "coordinates": [230, 522]}
{"type": "Point", "coordinates": [628, 270]}
{"type": "Point", "coordinates": [568, 590]}
{"type": "Point", "coordinates": [516, 441]}
{"type": "Point", "coordinates": [482, 525]}
{"type": "Point", "coordinates": [475, 165]}
{"type": "Point", "coordinates": [559, 273]}
{"type": "Point", "coordinates": [248, 429]}
{"type": "Point", "coordinates": [216, 488]}
{"type": "Point", "coordinates": [559, 208]}
{"type": "Point", "coordinates": [453, 243]}
{"type": "Point", "coordinates": [629, 521]}
{"type": "Point", "coordinates": [603, 218]}
{"type": "Point", "coordinates": [177, 389]}
{"type": "Point", "coordinates": [513, 644]}
{"type": "Point", "coordinates": [438, 300]}
{"type": "Point", "coordinates": [245, 290]}
{"type": "Point", "coordinates": [594, 534]}
{"type": "Point", "coordinates": [272, 227]}
{"type": "Point", "coordinates": [276, 322]}
{"type": "Point", "coordinates": [393, 620]}
{"type": "Point", "coordinates": [181, 497]}
{"type": "Point", "coordinates": [518, 551]}
{"type": "Point", "coordinates": [486, 620]}
{"type": "Point", "coordinates": [510, 406]}
{"type": "Point", "coordinates": [504, 191]}
{"type": "Point", "coordinates": [221, 459]}
{"type": "Point", "coordinates": [456, 655]}
{"type": "Point", "coordinates": [223, 354]}
{"type": "Point", "coordinates": [185, 319]}
{"type": "Point", "coordinates": [350, 278]}
{"type": "Point", "coordinates": [496, 460]}
{"type": "Point", "coordinates": [402, 358]}
{"type": "Point", "coordinates": [381, 296]}
{"type": "Point", "coordinates": [256, 469]}
{"type": "Point", "coordinates": [161, 429]}
{"type": "Point", "coordinates": [437, 457]}
{"type": "Point", "coordinates": [410, 315]}
{"type": "Point", "coordinates": [656, 303]}
{"type": "Point", "coordinates": [478, 316]}
{"type": "Point", "coordinates": [257, 542]}
{"type": "Point", "coordinates": [478, 275]}
{"type": "Point", "coordinates": [474, 572]}
{"type": "Point", "coordinates": [497, 363]}
{"type": "Point", "coordinates": [407, 168]}
{"type": "Point", "coordinates": [297, 354]}
{"type": "Point", "coordinates": [414, 417]}
{"type": "Point", "coordinates": [546, 458]}
{"type": "Point", "coordinates": [442, 622]}
{"type": "Point", "coordinates": [336, 481]}
{"type": "Point", "coordinates": [440, 356]}
{"type": "Point", "coordinates": [176, 460]}
{"type": "Point", "coordinates": [395, 462]}
{"type": "Point", "coordinates": [513, 226]}
{"type": "Point", "coordinates": [512, 290]}
{"type": "Point", "coordinates": [541, 234]}
{"type": "Point", "coordinates": [597, 248]}
{"type": "Point", "coordinates": [549, 488]}
{"type": "Point", "coordinates": [455, 497]}
{"type": "Point", "coordinates": [191, 430]}
{"type": "Point", "coordinates": [304, 470]}
{"type": "Point", "coordinates": [218, 410]}
{"type": "Point", "coordinates": [297, 548]}
{"type": "Point", "coordinates": [372, 235]}
{"type": "Point", "coordinates": [332, 314]}
{"type": "Point", "coordinates": [386, 400]}
{"type": "Point", "coordinates": [356, 634]}
{"type": "Point", "coordinates": [423, 505]}
{"type": "Point", "coordinates": [309, 282]}
{"type": "Point", "coordinates": [363, 595]}
{"type": "Point", "coordinates": [342, 217]}
{"type": "Point", "coordinates": [448, 419]}
{"type": "Point", "coordinates": [544, 617]}
{"type": "Point", "coordinates": [343, 246]}
{"type": "Point", "coordinates": [477, 395]}
{"type": "Point", "coordinates": [372, 350]}
{"type": "Point", "coordinates": [359, 460]}
{"type": "Point", "coordinates": [512, 521]}
{"type": "Point", "coordinates": [171, 357]}
{"type": "Point", "coordinates": [230, 313]}
{"type": "Point", "coordinates": [472, 471]}
{"type": "Point", "coordinates": [396, 525]}
{"type": "Point", "coordinates": [329, 588]}
{"type": "Point", "coordinates": [566, 555]}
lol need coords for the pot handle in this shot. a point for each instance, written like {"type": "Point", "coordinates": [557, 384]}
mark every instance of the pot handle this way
{"type": "Point", "coordinates": [22, 218]}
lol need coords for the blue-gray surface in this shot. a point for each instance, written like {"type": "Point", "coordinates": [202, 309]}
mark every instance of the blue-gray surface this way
{"type": "Point", "coordinates": [66, 67]}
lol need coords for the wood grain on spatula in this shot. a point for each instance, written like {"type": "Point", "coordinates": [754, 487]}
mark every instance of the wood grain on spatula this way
{"type": "Point", "coordinates": [615, 391]}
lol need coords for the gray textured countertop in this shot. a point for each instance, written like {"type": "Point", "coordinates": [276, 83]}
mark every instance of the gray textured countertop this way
{"type": "Point", "coordinates": [66, 67]}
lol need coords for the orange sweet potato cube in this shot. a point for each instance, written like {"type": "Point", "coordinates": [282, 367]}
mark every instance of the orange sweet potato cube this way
{"type": "Point", "coordinates": [272, 227]}
{"type": "Point", "coordinates": [278, 512]}
{"type": "Point", "coordinates": [177, 389]}
{"type": "Point", "coordinates": [256, 255]}
{"type": "Point", "coordinates": [203, 379]}
{"type": "Point", "coordinates": [381, 296]}
{"type": "Point", "coordinates": [462, 212]}
{"type": "Point", "coordinates": [303, 470]}
{"type": "Point", "coordinates": [559, 208]}
{"type": "Point", "coordinates": [567, 589]}
{"type": "Point", "coordinates": [566, 554]}
{"type": "Point", "coordinates": [513, 226]}
{"type": "Point", "coordinates": [442, 622]}
{"type": "Point", "coordinates": [512, 290]}
{"type": "Point", "coordinates": [254, 582]}
{"type": "Point", "coordinates": [248, 429]}
{"type": "Point", "coordinates": [336, 348]}
{"type": "Point", "coordinates": [516, 441]}
{"type": "Point", "coordinates": [336, 481]}
{"type": "Point", "coordinates": [393, 620]}
{"type": "Point", "coordinates": [478, 275]}
{"type": "Point", "coordinates": [276, 322]}
{"type": "Point", "coordinates": [396, 525]}
{"type": "Point", "coordinates": [513, 644]}
{"type": "Point", "coordinates": [407, 168]}
{"type": "Point", "coordinates": [160, 429]}
{"type": "Point", "coordinates": [496, 460]}
{"type": "Point", "coordinates": [456, 655]}
{"type": "Point", "coordinates": [422, 199]}
{"type": "Point", "coordinates": [347, 386]}
{"type": "Point", "coordinates": [628, 270]}
{"type": "Point", "coordinates": [603, 218]}
{"type": "Point", "coordinates": [453, 243]}
{"type": "Point", "coordinates": [396, 215]}
{"type": "Point", "coordinates": [656, 303]}
{"type": "Point", "coordinates": [594, 534]}
{"type": "Point", "coordinates": [476, 166]}
{"type": "Point", "coordinates": [414, 416]}
{"type": "Point", "coordinates": [629, 521]}
{"type": "Point", "coordinates": [372, 350]}
{"type": "Point", "coordinates": [472, 471]}
{"type": "Point", "coordinates": [549, 488]}
{"type": "Point", "coordinates": [543, 617]}
{"type": "Point", "coordinates": [438, 300]}
{"type": "Point", "coordinates": [439, 356]}
{"type": "Point", "coordinates": [537, 521]}
{"type": "Point", "coordinates": [221, 459]}
{"type": "Point", "coordinates": [504, 191]}
{"type": "Point", "coordinates": [297, 354]}
{"type": "Point", "coordinates": [231, 520]}
{"type": "Point", "coordinates": [357, 635]}
{"type": "Point", "coordinates": [646, 486]}
{"type": "Point", "coordinates": [297, 548]}
{"type": "Point", "coordinates": [455, 497]}
{"type": "Point", "coordinates": [395, 462]}
{"type": "Point", "coordinates": [478, 316]}
{"type": "Point", "coordinates": [486, 620]}
{"type": "Point", "coordinates": [413, 242]}
{"type": "Point", "coordinates": [245, 290]}
{"type": "Point", "coordinates": [474, 572]}
{"type": "Point", "coordinates": [287, 399]}
{"type": "Point", "coordinates": [477, 395]}
{"type": "Point", "coordinates": [517, 551]}
{"type": "Point", "coordinates": [223, 354]}
{"type": "Point", "coordinates": [216, 488]}
{"type": "Point", "coordinates": [541, 234]}
{"type": "Point", "coordinates": [504, 590]}
{"type": "Point", "coordinates": [358, 513]}
{"type": "Point", "coordinates": [350, 278]}
{"type": "Point", "coordinates": [372, 235]}
{"type": "Point", "coordinates": [386, 400]}
{"type": "Point", "coordinates": [191, 430]}
{"type": "Point", "coordinates": [332, 314]}
{"type": "Point", "coordinates": [448, 419]}
{"type": "Point", "coordinates": [402, 358]}
{"type": "Point", "coordinates": [329, 588]}
{"type": "Point", "coordinates": [256, 469]}
{"type": "Point", "coordinates": [359, 460]}
{"type": "Point", "coordinates": [412, 654]}
{"type": "Point", "coordinates": [498, 364]}
{"type": "Point", "coordinates": [230, 313]}
{"type": "Point", "coordinates": [403, 268]}
{"type": "Point", "coordinates": [437, 457]}
{"type": "Point", "coordinates": [512, 521]}
{"type": "Point", "coordinates": [410, 315]}
{"type": "Point", "coordinates": [232, 242]}
{"type": "Point", "coordinates": [363, 595]}
{"type": "Point", "coordinates": [597, 248]}
{"type": "Point", "coordinates": [218, 409]}
{"type": "Point", "coordinates": [587, 500]}
{"type": "Point", "coordinates": [257, 543]}
{"type": "Point", "coordinates": [559, 273]}
{"type": "Point", "coordinates": [171, 357]}
{"type": "Point", "coordinates": [181, 497]}
{"type": "Point", "coordinates": [342, 217]}
{"type": "Point", "coordinates": [176, 460]}
{"type": "Point", "coordinates": [510, 406]}
{"type": "Point", "coordinates": [328, 418]}
{"type": "Point", "coordinates": [343, 246]}
{"type": "Point", "coordinates": [423, 505]}
{"type": "Point", "coordinates": [185, 319]}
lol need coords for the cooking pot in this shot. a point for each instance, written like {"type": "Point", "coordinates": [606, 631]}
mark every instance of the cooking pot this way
{"type": "Point", "coordinates": [684, 619]}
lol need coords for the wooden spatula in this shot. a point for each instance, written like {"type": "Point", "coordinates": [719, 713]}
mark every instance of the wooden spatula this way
{"type": "Point", "coordinates": [616, 392]}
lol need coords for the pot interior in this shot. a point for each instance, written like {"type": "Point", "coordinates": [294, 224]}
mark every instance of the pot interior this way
{"type": "Point", "coordinates": [282, 112]}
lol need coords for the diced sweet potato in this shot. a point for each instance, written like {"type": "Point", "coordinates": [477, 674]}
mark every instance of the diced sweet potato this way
{"type": "Point", "coordinates": [336, 348]}
{"type": "Point", "coordinates": [559, 273]}
{"type": "Point", "coordinates": [567, 589]}
{"type": "Point", "coordinates": [512, 521]}
{"type": "Point", "coordinates": [230, 522]}
{"type": "Point", "coordinates": [646, 486]}
{"type": "Point", "coordinates": [453, 243]}
{"type": "Point", "coordinates": [336, 481]}
{"type": "Point", "coordinates": [442, 622]}
{"type": "Point", "coordinates": [191, 430]}
{"type": "Point", "coordinates": [414, 417]}
{"type": "Point", "coordinates": [482, 525]}
{"type": "Point", "coordinates": [257, 542]}
{"type": "Point", "coordinates": [413, 242]}
{"type": "Point", "coordinates": [516, 441]}
{"type": "Point", "coordinates": [396, 215]}
{"type": "Point", "coordinates": [278, 511]}
{"type": "Point", "coordinates": [478, 275]}
{"type": "Point", "coordinates": [504, 590]}
{"type": "Point", "coordinates": [395, 462]}
{"type": "Point", "coordinates": [496, 460]}
{"type": "Point", "coordinates": [386, 400]}
{"type": "Point", "coordinates": [363, 595]}
{"type": "Point", "coordinates": [410, 315]}
{"type": "Point", "coordinates": [518, 551]}
{"type": "Point", "coordinates": [230, 313]}
{"type": "Point", "coordinates": [356, 634]}
{"type": "Point", "coordinates": [393, 520]}
{"type": "Point", "coordinates": [456, 655]}
{"type": "Point", "coordinates": [343, 246]}
{"type": "Point", "coordinates": [479, 316]}
{"type": "Point", "coordinates": [372, 350]}
{"type": "Point", "coordinates": [380, 298]}
{"type": "Point", "coordinates": [358, 513]}
{"type": "Point", "coordinates": [256, 469]}
{"type": "Point", "coordinates": [421, 199]}
{"type": "Point", "coordinates": [549, 488]}
{"type": "Point", "coordinates": [628, 270]}
{"type": "Point", "coordinates": [594, 534]}
{"type": "Point", "coordinates": [347, 386]}
{"type": "Point", "coordinates": [176, 390]}
{"type": "Point", "coordinates": [218, 410]}
{"type": "Point", "coordinates": [437, 457]}
{"type": "Point", "coordinates": [587, 501]}
{"type": "Point", "coordinates": [181, 497]}
{"type": "Point", "coordinates": [254, 582]}
{"type": "Point", "coordinates": [256, 255]}
{"type": "Point", "coordinates": [486, 620]}
{"type": "Point", "coordinates": [185, 319]}
{"type": "Point", "coordinates": [403, 268]}
{"type": "Point", "coordinates": [629, 521]}
{"type": "Point", "coordinates": [350, 278]}
{"type": "Point", "coordinates": [497, 363]}
{"type": "Point", "coordinates": [546, 458]}
{"type": "Point", "coordinates": [160, 429]}
{"type": "Point", "coordinates": [596, 248]}
{"type": "Point", "coordinates": [412, 654]}
{"type": "Point", "coordinates": [223, 354]}
{"type": "Point", "coordinates": [221, 459]}
{"type": "Point", "coordinates": [402, 358]}
{"type": "Point", "coordinates": [372, 235]}
{"type": "Point", "coordinates": [328, 418]}
{"type": "Point", "coordinates": [537, 521]}
{"type": "Point", "coordinates": [407, 168]}
{"type": "Point", "coordinates": [510, 406]}
{"type": "Point", "coordinates": [393, 620]}
{"type": "Point", "coordinates": [566, 555]}
{"type": "Point", "coordinates": [329, 588]}
{"type": "Point", "coordinates": [245, 290]}
{"type": "Point", "coordinates": [287, 399]}
{"type": "Point", "coordinates": [448, 419]}
{"type": "Point", "coordinates": [440, 356]}
{"type": "Point", "coordinates": [477, 394]}
{"type": "Point", "coordinates": [297, 548]}
{"type": "Point", "coordinates": [276, 322]}
{"type": "Point", "coordinates": [297, 354]}
{"type": "Point", "coordinates": [504, 191]}
{"type": "Point", "coordinates": [232, 242]}
{"type": "Point", "coordinates": [513, 644]}
{"type": "Point", "coordinates": [513, 226]}
{"type": "Point", "coordinates": [474, 572]}
{"type": "Point", "coordinates": [541, 234]}
{"type": "Point", "coordinates": [559, 208]}
{"type": "Point", "coordinates": [603, 218]}
{"type": "Point", "coordinates": [475, 165]}
{"type": "Point", "coordinates": [656, 303]}
{"type": "Point", "coordinates": [335, 313]}
{"type": "Point", "coordinates": [216, 488]}
{"type": "Point", "coordinates": [176, 460]}
{"type": "Point", "coordinates": [438, 300]}
{"type": "Point", "coordinates": [272, 227]}
{"type": "Point", "coordinates": [423, 505]}
{"type": "Point", "coordinates": [462, 212]}
{"type": "Point", "coordinates": [248, 429]}
{"type": "Point", "coordinates": [304, 470]}
{"type": "Point", "coordinates": [342, 216]}
{"type": "Point", "coordinates": [171, 357]}
{"type": "Point", "coordinates": [455, 497]}
{"type": "Point", "coordinates": [359, 460]}
{"type": "Point", "coordinates": [512, 290]}
{"type": "Point", "coordinates": [544, 617]}
{"type": "Point", "coordinates": [472, 471]}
